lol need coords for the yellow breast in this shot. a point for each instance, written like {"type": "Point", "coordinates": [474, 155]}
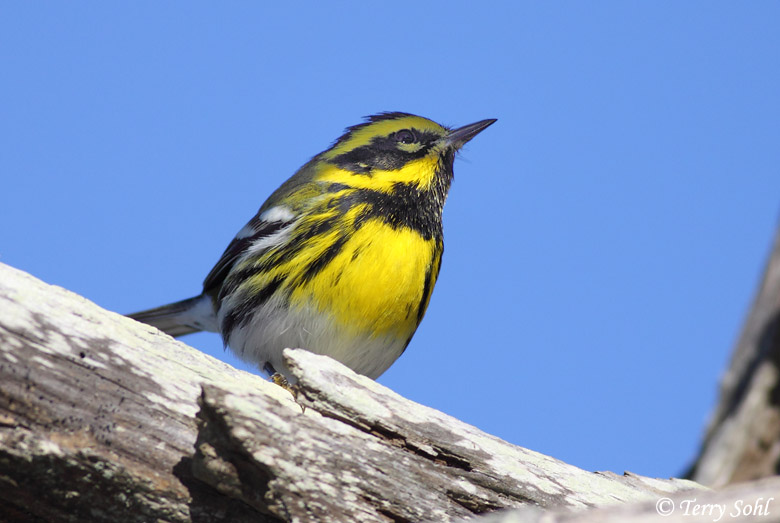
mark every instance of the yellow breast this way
{"type": "Point", "coordinates": [379, 282]}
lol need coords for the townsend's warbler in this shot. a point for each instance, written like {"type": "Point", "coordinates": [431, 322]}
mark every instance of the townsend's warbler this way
{"type": "Point", "coordinates": [342, 258]}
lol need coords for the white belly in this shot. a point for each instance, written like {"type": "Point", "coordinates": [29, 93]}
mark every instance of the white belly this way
{"type": "Point", "coordinates": [274, 328]}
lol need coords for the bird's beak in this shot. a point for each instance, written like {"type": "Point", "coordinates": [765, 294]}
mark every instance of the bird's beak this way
{"type": "Point", "coordinates": [458, 137]}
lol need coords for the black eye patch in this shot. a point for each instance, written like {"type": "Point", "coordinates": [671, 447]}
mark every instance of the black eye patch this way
{"type": "Point", "coordinates": [384, 153]}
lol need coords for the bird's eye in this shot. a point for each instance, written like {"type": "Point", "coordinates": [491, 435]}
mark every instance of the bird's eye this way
{"type": "Point", "coordinates": [405, 136]}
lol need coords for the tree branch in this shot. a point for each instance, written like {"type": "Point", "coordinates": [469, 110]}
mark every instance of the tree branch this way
{"type": "Point", "coordinates": [742, 441]}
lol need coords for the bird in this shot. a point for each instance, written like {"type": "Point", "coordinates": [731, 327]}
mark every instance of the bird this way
{"type": "Point", "coordinates": [341, 259]}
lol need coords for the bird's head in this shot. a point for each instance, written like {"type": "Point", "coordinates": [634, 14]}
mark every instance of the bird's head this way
{"type": "Point", "coordinates": [397, 148]}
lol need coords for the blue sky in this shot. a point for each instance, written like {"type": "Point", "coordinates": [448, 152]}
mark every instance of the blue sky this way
{"type": "Point", "coordinates": [603, 239]}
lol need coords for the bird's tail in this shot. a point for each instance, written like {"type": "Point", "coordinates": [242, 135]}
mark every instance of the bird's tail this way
{"type": "Point", "coordinates": [182, 317]}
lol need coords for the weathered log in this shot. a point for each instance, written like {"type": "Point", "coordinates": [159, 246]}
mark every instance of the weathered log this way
{"type": "Point", "coordinates": [367, 454]}
{"type": "Point", "coordinates": [97, 413]}
{"type": "Point", "coordinates": [106, 419]}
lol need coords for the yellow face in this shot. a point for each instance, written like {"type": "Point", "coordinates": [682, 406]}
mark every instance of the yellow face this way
{"type": "Point", "coordinates": [386, 151]}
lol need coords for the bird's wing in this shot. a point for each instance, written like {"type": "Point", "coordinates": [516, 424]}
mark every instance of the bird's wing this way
{"type": "Point", "coordinates": [262, 227]}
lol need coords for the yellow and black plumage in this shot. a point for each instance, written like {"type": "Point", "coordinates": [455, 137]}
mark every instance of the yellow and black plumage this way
{"type": "Point", "coordinates": [342, 258]}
